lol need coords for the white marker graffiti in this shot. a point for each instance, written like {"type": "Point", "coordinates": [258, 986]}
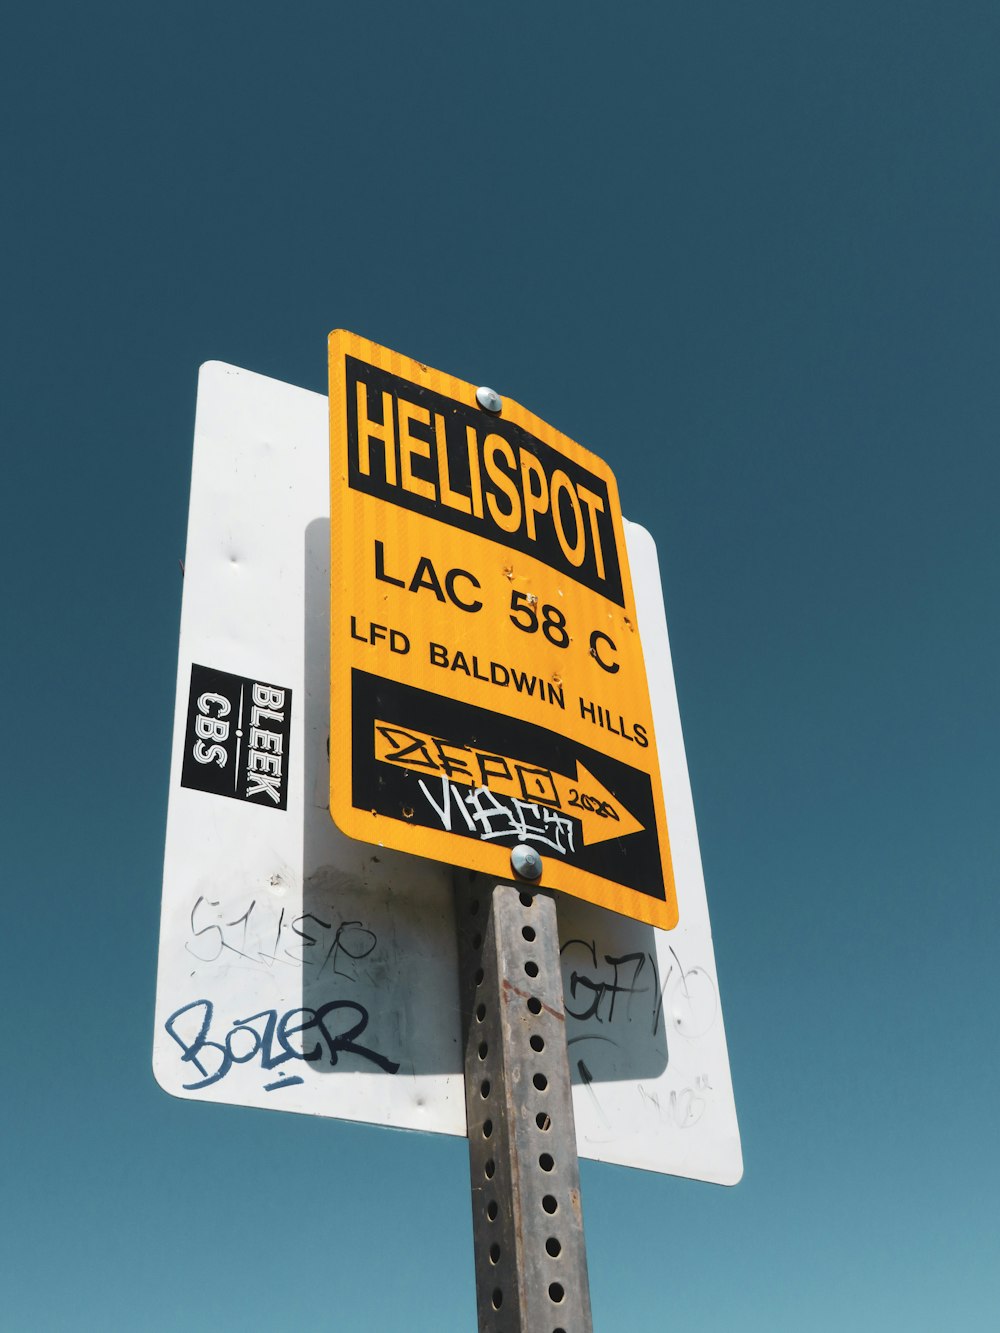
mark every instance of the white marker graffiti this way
{"type": "Point", "coordinates": [489, 816]}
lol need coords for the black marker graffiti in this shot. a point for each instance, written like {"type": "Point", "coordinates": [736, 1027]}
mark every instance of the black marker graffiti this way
{"type": "Point", "coordinates": [601, 991]}
{"type": "Point", "coordinates": [260, 937]}
{"type": "Point", "coordinates": [626, 970]}
{"type": "Point", "coordinates": [270, 1041]}
{"type": "Point", "coordinates": [593, 990]}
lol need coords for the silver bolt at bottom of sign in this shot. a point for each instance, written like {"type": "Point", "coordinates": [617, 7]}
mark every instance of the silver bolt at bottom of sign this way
{"type": "Point", "coordinates": [526, 863]}
{"type": "Point", "coordinates": [489, 399]}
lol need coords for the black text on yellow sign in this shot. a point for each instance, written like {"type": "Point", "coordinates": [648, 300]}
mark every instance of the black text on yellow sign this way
{"type": "Point", "coordinates": [481, 605]}
{"type": "Point", "coordinates": [579, 794]}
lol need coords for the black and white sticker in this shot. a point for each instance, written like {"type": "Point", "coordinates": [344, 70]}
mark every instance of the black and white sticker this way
{"type": "Point", "coordinates": [237, 737]}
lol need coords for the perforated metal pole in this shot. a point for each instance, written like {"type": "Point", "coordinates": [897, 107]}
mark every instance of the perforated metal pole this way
{"type": "Point", "coordinates": [531, 1261]}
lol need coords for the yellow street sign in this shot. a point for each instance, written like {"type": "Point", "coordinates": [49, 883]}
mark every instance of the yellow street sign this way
{"type": "Point", "coordinates": [487, 680]}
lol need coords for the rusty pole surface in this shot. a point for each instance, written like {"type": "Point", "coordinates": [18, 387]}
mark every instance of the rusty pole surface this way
{"type": "Point", "coordinates": [531, 1260]}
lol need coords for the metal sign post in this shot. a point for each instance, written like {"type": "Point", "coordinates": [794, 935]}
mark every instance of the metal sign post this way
{"type": "Point", "coordinates": [531, 1262]}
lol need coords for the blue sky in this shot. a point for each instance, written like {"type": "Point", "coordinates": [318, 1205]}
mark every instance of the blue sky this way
{"type": "Point", "coordinates": [748, 255]}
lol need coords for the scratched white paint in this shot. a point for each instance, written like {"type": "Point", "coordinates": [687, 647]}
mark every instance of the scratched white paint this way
{"type": "Point", "coordinates": [280, 937]}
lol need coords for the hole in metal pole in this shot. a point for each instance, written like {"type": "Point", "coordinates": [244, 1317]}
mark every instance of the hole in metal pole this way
{"type": "Point", "coordinates": [528, 933]}
{"type": "Point", "coordinates": [491, 1210]}
{"type": "Point", "coordinates": [546, 1162]}
{"type": "Point", "coordinates": [477, 941]}
{"type": "Point", "coordinates": [537, 1043]}
{"type": "Point", "coordinates": [487, 1129]}
{"type": "Point", "coordinates": [540, 1082]}
{"type": "Point", "coordinates": [484, 1088]}
{"type": "Point", "coordinates": [494, 1253]}
{"type": "Point", "coordinates": [480, 1012]}
{"type": "Point", "coordinates": [483, 1050]}
{"type": "Point", "coordinates": [543, 1121]}
{"type": "Point", "coordinates": [497, 1298]}
{"type": "Point", "coordinates": [526, 899]}
{"type": "Point", "coordinates": [489, 1168]}
{"type": "Point", "coordinates": [531, 968]}
{"type": "Point", "coordinates": [553, 1247]}
{"type": "Point", "coordinates": [534, 1005]}
{"type": "Point", "coordinates": [474, 907]}
{"type": "Point", "coordinates": [479, 976]}
{"type": "Point", "coordinates": [556, 1292]}
{"type": "Point", "coordinates": [550, 1203]}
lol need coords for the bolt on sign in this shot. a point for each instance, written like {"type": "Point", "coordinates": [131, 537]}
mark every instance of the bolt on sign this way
{"type": "Point", "coordinates": [488, 687]}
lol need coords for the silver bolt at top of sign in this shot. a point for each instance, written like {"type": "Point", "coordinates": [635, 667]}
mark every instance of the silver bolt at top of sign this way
{"type": "Point", "coordinates": [489, 400]}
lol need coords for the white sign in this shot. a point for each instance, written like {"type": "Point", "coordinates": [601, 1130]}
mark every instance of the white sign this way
{"type": "Point", "coordinates": [304, 971]}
